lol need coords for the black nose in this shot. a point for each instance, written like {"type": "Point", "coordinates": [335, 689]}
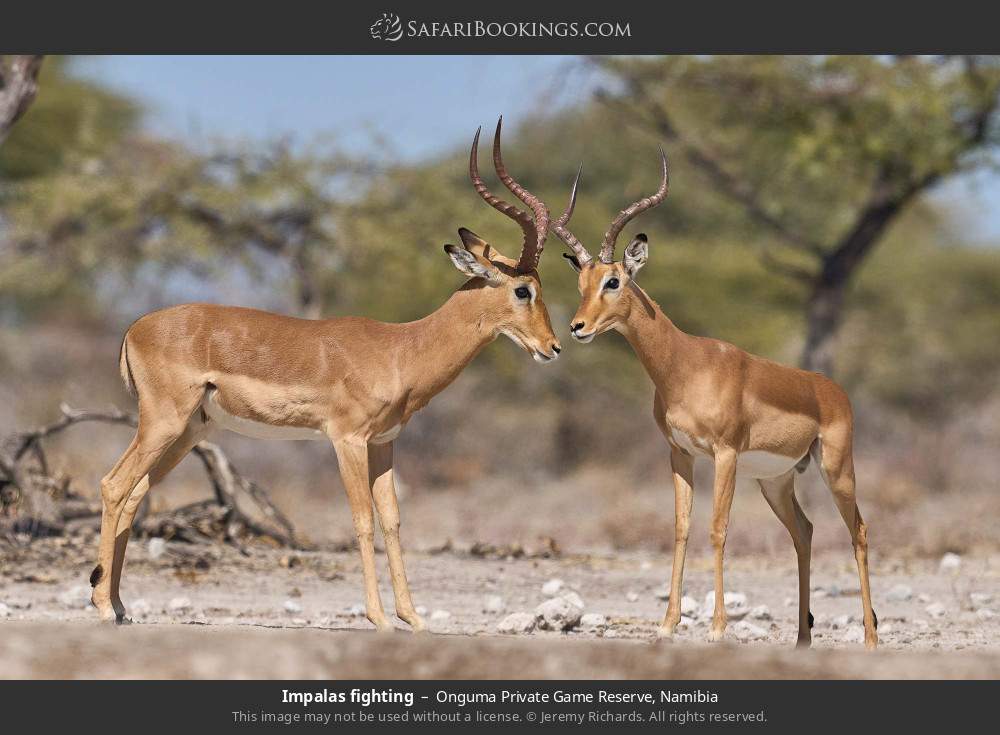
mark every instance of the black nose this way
{"type": "Point", "coordinates": [557, 349]}
{"type": "Point", "coordinates": [576, 327]}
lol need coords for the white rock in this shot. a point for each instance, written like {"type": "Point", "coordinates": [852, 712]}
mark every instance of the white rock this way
{"type": "Point", "coordinates": [924, 598]}
{"type": "Point", "coordinates": [854, 634]}
{"type": "Point", "coordinates": [358, 610]}
{"type": "Point", "coordinates": [558, 613]}
{"type": "Point", "coordinates": [689, 606]}
{"type": "Point", "coordinates": [899, 593]}
{"type": "Point", "coordinates": [747, 631]}
{"type": "Point", "coordinates": [842, 621]}
{"type": "Point", "coordinates": [420, 610]}
{"type": "Point", "coordinates": [632, 596]}
{"type": "Point", "coordinates": [611, 633]}
{"type": "Point", "coordinates": [494, 604]}
{"type": "Point", "coordinates": [761, 612]}
{"type": "Point", "coordinates": [573, 599]}
{"type": "Point", "coordinates": [789, 602]}
{"type": "Point", "coordinates": [645, 565]}
{"type": "Point", "coordinates": [734, 602]}
{"type": "Point", "coordinates": [983, 614]}
{"type": "Point", "coordinates": [156, 547]}
{"type": "Point", "coordinates": [519, 622]}
{"type": "Point", "coordinates": [980, 599]}
{"type": "Point", "coordinates": [552, 587]}
{"type": "Point", "coordinates": [950, 562]}
{"type": "Point", "coordinates": [77, 597]}
{"type": "Point", "coordinates": [885, 628]}
{"type": "Point", "coordinates": [300, 622]}
{"type": "Point", "coordinates": [179, 604]}
{"type": "Point", "coordinates": [593, 620]}
{"type": "Point", "coordinates": [662, 593]}
{"type": "Point", "coordinates": [140, 608]}
{"type": "Point", "coordinates": [921, 623]}
{"type": "Point", "coordinates": [936, 610]}
{"type": "Point", "coordinates": [4, 610]}
{"type": "Point", "coordinates": [291, 606]}
{"type": "Point", "coordinates": [440, 615]}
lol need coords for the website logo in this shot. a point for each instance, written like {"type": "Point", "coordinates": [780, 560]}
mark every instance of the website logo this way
{"type": "Point", "coordinates": [387, 28]}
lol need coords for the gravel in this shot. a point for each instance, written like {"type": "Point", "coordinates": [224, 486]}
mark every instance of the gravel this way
{"type": "Point", "coordinates": [519, 622]}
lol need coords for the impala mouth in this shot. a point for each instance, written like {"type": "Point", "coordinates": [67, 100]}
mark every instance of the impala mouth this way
{"type": "Point", "coordinates": [584, 338]}
{"type": "Point", "coordinates": [543, 358]}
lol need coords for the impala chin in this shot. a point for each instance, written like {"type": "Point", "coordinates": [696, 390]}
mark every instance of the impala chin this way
{"type": "Point", "coordinates": [584, 338]}
{"type": "Point", "coordinates": [543, 358]}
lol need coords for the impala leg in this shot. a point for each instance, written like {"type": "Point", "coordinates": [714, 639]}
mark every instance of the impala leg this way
{"type": "Point", "coordinates": [780, 495]}
{"type": "Point", "coordinates": [195, 431]}
{"type": "Point", "coordinates": [387, 507]}
{"type": "Point", "coordinates": [682, 466]}
{"type": "Point", "coordinates": [725, 486]}
{"type": "Point", "coordinates": [153, 438]}
{"type": "Point", "coordinates": [353, 460]}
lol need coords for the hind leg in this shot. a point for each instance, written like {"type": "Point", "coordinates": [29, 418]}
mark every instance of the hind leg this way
{"type": "Point", "coordinates": [780, 495]}
{"type": "Point", "coordinates": [160, 425]}
{"type": "Point", "coordinates": [837, 464]}
{"type": "Point", "coordinates": [196, 429]}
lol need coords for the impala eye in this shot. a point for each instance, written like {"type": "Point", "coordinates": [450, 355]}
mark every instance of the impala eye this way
{"type": "Point", "coordinates": [522, 292]}
{"type": "Point", "coordinates": [612, 284]}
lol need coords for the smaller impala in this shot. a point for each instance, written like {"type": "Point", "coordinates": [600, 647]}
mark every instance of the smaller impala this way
{"type": "Point", "coordinates": [351, 381]}
{"type": "Point", "coordinates": [753, 417]}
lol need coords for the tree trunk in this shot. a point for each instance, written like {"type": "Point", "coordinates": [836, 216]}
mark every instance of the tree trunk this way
{"type": "Point", "coordinates": [18, 85]}
{"type": "Point", "coordinates": [823, 315]}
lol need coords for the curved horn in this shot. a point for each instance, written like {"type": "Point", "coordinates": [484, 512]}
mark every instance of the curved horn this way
{"type": "Point", "coordinates": [632, 211]}
{"type": "Point", "coordinates": [534, 242]}
{"type": "Point", "coordinates": [559, 226]}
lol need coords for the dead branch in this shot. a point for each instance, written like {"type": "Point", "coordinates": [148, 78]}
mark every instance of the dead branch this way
{"type": "Point", "coordinates": [35, 501]}
{"type": "Point", "coordinates": [18, 86]}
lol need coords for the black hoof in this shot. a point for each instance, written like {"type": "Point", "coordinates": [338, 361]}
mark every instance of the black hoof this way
{"type": "Point", "coordinates": [122, 620]}
{"type": "Point", "coordinates": [811, 620]}
{"type": "Point", "coordinates": [803, 643]}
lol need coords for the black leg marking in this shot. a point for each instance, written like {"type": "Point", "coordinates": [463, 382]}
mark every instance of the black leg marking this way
{"type": "Point", "coordinates": [875, 618]}
{"type": "Point", "coordinates": [95, 576]}
{"type": "Point", "coordinates": [811, 620]}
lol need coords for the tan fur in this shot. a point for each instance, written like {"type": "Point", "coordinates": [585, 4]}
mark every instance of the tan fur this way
{"type": "Point", "coordinates": [715, 400]}
{"type": "Point", "coordinates": [355, 380]}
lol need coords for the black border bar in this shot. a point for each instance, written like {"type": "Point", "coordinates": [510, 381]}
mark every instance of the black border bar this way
{"type": "Point", "coordinates": [668, 26]}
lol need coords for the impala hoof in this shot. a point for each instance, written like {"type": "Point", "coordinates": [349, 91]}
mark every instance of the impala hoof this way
{"type": "Point", "coordinates": [714, 636]}
{"type": "Point", "coordinates": [665, 633]}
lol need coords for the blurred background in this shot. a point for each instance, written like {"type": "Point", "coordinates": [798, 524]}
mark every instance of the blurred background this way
{"type": "Point", "coordinates": [838, 213]}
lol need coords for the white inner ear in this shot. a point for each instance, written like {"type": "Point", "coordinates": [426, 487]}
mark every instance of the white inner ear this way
{"type": "Point", "coordinates": [468, 264]}
{"type": "Point", "coordinates": [635, 256]}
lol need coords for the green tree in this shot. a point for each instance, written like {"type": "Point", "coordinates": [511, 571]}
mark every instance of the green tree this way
{"type": "Point", "coordinates": [822, 154]}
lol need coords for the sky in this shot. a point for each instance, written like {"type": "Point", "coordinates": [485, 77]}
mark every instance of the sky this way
{"type": "Point", "coordinates": [419, 105]}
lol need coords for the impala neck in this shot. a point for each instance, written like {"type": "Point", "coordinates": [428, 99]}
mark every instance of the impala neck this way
{"type": "Point", "coordinates": [654, 338]}
{"type": "Point", "coordinates": [440, 345]}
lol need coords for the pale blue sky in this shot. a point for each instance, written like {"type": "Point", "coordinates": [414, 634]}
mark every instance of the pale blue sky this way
{"type": "Point", "coordinates": [419, 104]}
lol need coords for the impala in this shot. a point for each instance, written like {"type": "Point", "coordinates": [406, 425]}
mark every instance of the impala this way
{"type": "Point", "coordinates": [352, 381]}
{"type": "Point", "coordinates": [754, 418]}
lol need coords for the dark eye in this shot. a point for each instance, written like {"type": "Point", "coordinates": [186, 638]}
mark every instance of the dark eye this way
{"type": "Point", "coordinates": [522, 292]}
{"type": "Point", "coordinates": [612, 284]}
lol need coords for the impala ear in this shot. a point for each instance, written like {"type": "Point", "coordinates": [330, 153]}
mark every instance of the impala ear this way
{"type": "Point", "coordinates": [573, 261]}
{"type": "Point", "coordinates": [473, 266]}
{"type": "Point", "coordinates": [636, 254]}
{"type": "Point", "coordinates": [474, 243]}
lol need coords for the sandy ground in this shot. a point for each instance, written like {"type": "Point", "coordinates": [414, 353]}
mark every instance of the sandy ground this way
{"type": "Point", "coordinates": [208, 611]}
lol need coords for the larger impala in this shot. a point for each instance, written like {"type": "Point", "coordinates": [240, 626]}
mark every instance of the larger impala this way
{"type": "Point", "coordinates": [753, 417]}
{"type": "Point", "coordinates": [352, 381]}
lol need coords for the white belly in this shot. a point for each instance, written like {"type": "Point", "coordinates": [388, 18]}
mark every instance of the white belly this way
{"type": "Point", "coordinates": [254, 429]}
{"type": "Point", "coordinates": [387, 436]}
{"type": "Point", "coordinates": [763, 465]}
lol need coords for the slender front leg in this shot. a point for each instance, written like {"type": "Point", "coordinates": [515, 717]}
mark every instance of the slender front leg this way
{"type": "Point", "coordinates": [725, 485]}
{"type": "Point", "coordinates": [682, 465]}
{"type": "Point", "coordinates": [353, 460]}
{"type": "Point", "coordinates": [384, 493]}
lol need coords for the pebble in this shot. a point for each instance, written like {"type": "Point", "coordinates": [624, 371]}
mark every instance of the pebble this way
{"type": "Point", "coordinates": [747, 631]}
{"type": "Point", "coordinates": [685, 623]}
{"type": "Point", "coordinates": [632, 597]}
{"type": "Point", "coordinates": [593, 620]}
{"type": "Point", "coordinates": [558, 613]}
{"type": "Point", "coordinates": [421, 610]}
{"type": "Point", "coordinates": [140, 608]}
{"type": "Point", "coordinates": [662, 593]}
{"type": "Point", "coordinates": [789, 602]}
{"type": "Point", "coordinates": [519, 622]}
{"type": "Point", "coordinates": [440, 615]}
{"type": "Point", "coordinates": [291, 606]}
{"type": "Point", "coordinates": [611, 633]}
{"type": "Point", "coordinates": [358, 611]}
{"type": "Point", "coordinates": [179, 604]}
{"type": "Point", "coordinates": [4, 610]}
{"type": "Point", "coordinates": [761, 612]}
{"type": "Point", "coordinates": [842, 621]}
{"type": "Point", "coordinates": [923, 598]}
{"type": "Point", "coordinates": [494, 604]}
{"type": "Point", "coordinates": [574, 599]}
{"type": "Point", "coordinates": [936, 610]}
{"type": "Point", "coordinates": [983, 614]}
{"type": "Point", "coordinates": [980, 599]}
{"type": "Point", "coordinates": [552, 587]}
{"type": "Point", "coordinates": [950, 563]}
{"type": "Point", "coordinates": [76, 597]}
{"type": "Point", "coordinates": [156, 547]}
{"type": "Point", "coordinates": [899, 593]}
{"type": "Point", "coordinates": [645, 565]}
